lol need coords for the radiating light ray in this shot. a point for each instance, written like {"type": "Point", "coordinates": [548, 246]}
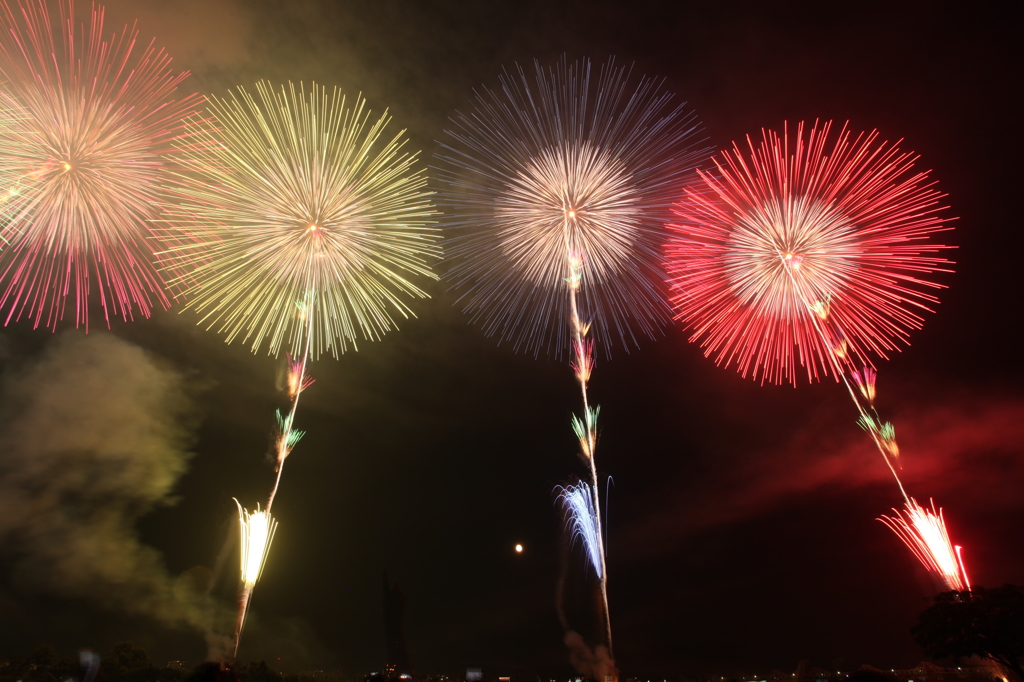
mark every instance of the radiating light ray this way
{"type": "Point", "coordinates": [81, 164]}
{"type": "Point", "coordinates": [561, 162]}
{"type": "Point", "coordinates": [923, 531]}
{"type": "Point", "coordinates": [795, 225]}
{"type": "Point", "coordinates": [578, 504]}
{"type": "Point", "coordinates": [299, 192]}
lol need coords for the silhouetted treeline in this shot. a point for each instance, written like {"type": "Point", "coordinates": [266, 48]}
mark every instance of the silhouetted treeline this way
{"type": "Point", "coordinates": [128, 663]}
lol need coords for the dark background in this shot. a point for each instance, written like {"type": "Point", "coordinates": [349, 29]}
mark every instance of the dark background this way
{"type": "Point", "coordinates": [742, 530]}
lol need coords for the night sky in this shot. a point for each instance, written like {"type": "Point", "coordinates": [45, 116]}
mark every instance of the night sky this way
{"type": "Point", "coordinates": [742, 534]}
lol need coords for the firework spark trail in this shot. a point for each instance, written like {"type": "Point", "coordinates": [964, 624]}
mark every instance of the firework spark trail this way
{"type": "Point", "coordinates": [924, 533]}
{"type": "Point", "coordinates": [586, 428]}
{"type": "Point", "coordinates": [256, 530]}
{"type": "Point", "coordinates": [822, 250]}
{"type": "Point", "coordinates": [578, 505]}
{"type": "Point", "coordinates": [81, 163]}
{"type": "Point", "coordinates": [556, 189]}
{"type": "Point", "coordinates": [297, 378]}
{"type": "Point", "coordinates": [296, 200]}
{"type": "Point", "coordinates": [298, 381]}
{"type": "Point", "coordinates": [834, 342]}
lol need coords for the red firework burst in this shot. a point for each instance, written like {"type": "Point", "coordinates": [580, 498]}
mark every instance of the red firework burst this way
{"type": "Point", "coordinates": [87, 122]}
{"type": "Point", "coordinates": [806, 251]}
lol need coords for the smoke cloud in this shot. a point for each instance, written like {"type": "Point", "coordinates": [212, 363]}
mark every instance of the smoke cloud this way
{"type": "Point", "coordinates": [594, 664]}
{"type": "Point", "coordinates": [93, 435]}
{"type": "Point", "coordinates": [961, 442]}
{"type": "Point", "coordinates": [211, 36]}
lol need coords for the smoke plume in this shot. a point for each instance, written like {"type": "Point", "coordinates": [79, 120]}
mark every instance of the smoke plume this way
{"type": "Point", "coordinates": [592, 664]}
{"type": "Point", "coordinates": [91, 439]}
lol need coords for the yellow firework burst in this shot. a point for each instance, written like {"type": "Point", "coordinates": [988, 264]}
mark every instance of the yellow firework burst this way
{"type": "Point", "coordinates": [296, 196]}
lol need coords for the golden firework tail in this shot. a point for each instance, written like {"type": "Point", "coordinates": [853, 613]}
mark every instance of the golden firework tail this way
{"type": "Point", "coordinates": [256, 532]}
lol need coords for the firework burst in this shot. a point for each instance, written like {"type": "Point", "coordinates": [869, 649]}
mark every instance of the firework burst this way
{"type": "Point", "coordinates": [810, 253]}
{"type": "Point", "coordinates": [81, 164]}
{"type": "Point", "coordinates": [798, 230]}
{"type": "Point", "coordinates": [556, 190]}
{"type": "Point", "coordinates": [564, 166]}
{"type": "Point", "coordinates": [297, 225]}
{"type": "Point", "coordinates": [299, 197]}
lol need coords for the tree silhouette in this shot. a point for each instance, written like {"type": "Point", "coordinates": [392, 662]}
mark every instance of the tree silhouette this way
{"type": "Point", "coordinates": [985, 623]}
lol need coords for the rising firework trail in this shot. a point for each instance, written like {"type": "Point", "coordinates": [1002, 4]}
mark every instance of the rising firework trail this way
{"type": "Point", "coordinates": [297, 225]}
{"type": "Point", "coordinates": [256, 532]}
{"type": "Point", "coordinates": [88, 119]}
{"type": "Point", "coordinates": [298, 381]}
{"type": "Point", "coordinates": [806, 252]}
{"type": "Point", "coordinates": [556, 188]}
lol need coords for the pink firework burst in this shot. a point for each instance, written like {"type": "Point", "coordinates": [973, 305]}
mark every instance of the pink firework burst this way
{"type": "Point", "coordinates": [804, 251]}
{"type": "Point", "coordinates": [88, 119]}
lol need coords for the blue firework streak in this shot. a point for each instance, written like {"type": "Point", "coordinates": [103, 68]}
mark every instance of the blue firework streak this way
{"type": "Point", "coordinates": [578, 503]}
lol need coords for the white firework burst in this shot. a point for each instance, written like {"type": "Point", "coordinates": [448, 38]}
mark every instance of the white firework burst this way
{"type": "Point", "coordinates": [562, 169]}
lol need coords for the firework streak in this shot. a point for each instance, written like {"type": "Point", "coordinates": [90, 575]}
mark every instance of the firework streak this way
{"type": "Point", "coordinates": [256, 532]}
{"type": "Point", "coordinates": [810, 253]}
{"type": "Point", "coordinates": [586, 431]}
{"type": "Point", "coordinates": [297, 226]}
{"type": "Point", "coordinates": [556, 188]}
{"type": "Point", "coordinates": [924, 533]}
{"type": "Point", "coordinates": [87, 121]}
{"type": "Point", "coordinates": [578, 505]}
